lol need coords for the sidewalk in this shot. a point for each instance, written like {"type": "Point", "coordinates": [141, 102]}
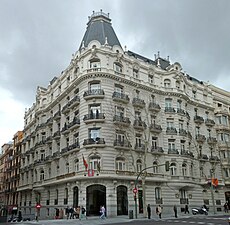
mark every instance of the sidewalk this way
{"type": "Point", "coordinates": [118, 219]}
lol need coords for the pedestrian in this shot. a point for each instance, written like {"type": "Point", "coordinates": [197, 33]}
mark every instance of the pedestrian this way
{"type": "Point", "coordinates": [149, 211]}
{"type": "Point", "coordinates": [83, 213]}
{"type": "Point", "coordinates": [56, 213]}
{"type": "Point", "coordinates": [67, 212]}
{"type": "Point", "coordinates": [71, 211]}
{"type": "Point", "coordinates": [226, 207]}
{"type": "Point", "coordinates": [159, 211]}
{"type": "Point", "coordinates": [102, 211]}
{"type": "Point", "coordinates": [175, 210]}
{"type": "Point", "coordinates": [78, 212]}
{"type": "Point", "coordinates": [186, 209]}
{"type": "Point", "coordinates": [61, 214]}
{"type": "Point", "coordinates": [19, 216]}
{"type": "Point", "coordinates": [36, 215]}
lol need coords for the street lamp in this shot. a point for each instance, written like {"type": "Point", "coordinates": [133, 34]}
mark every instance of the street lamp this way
{"type": "Point", "coordinates": [135, 190]}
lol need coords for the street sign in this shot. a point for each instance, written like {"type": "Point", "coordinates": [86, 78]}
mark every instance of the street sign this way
{"type": "Point", "coordinates": [38, 206]}
{"type": "Point", "coordinates": [134, 190]}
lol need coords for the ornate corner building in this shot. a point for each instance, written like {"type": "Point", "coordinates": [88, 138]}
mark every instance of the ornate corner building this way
{"type": "Point", "coordinates": [110, 114]}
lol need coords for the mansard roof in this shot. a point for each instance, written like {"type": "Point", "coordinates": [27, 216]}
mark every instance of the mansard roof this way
{"type": "Point", "coordinates": [99, 28]}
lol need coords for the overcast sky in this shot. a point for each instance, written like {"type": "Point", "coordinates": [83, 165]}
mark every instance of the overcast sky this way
{"type": "Point", "coordinates": [37, 39]}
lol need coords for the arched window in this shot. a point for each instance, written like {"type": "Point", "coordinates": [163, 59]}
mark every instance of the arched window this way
{"type": "Point", "coordinates": [56, 197]}
{"type": "Point", "coordinates": [139, 165]}
{"type": "Point", "coordinates": [66, 194]}
{"type": "Point", "coordinates": [42, 175]}
{"type": "Point", "coordinates": [173, 169]}
{"type": "Point", "coordinates": [48, 198]}
{"type": "Point", "coordinates": [120, 163]}
{"type": "Point", "coordinates": [76, 164]}
{"type": "Point", "coordinates": [155, 167]}
{"type": "Point", "coordinates": [184, 169]}
{"type": "Point", "coordinates": [167, 83]}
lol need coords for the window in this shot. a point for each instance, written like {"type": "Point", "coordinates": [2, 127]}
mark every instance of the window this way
{"type": "Point", "coordinates": [182, 145]}
{"type": "Point", "coordinates": [171, 145]}
{"type": "Point", "coordinates": [151, 79]}
{"type": "Point", "coordinates": [42, 175]}
{"type": "Point", "coordinates": [48, 198]}
{"type": "Point", "coordinates": [66, 194]}
{"type": "Point", "coordinates": [155, 167]}
{"type": "Point", "coordinates": [120, 137]}
{"type": "Point", "coordinates": [94, 110]}
{"type": "Point", "coordinates": [170, 123]}
{"type": "Point", "coordinates": [138, 141]}
{"type": "Point", "coordinates": [135, 73]}
{"type": "Point", "coordinates": [184, 169]}
{"type": "Point", "coordinates": [94, 162]}
{"type": "Point", "coordinates": [173, 169]}
{"type": "Point", "coordinates": [154, 142]}
{"type": "Point", "coordinates": [158, 193]}
{"type": "Point", "coordinates": [119, 89]}
{"type": "Point", "coordinates": [56, 198]}
{"type": "Point", "coordinates": [167, 83]}
{"type": "Point", "coordinates": [119, 111]}
{"type": "Point", "coordinates": [76, 165]}
{"type": "Point", "coordinates": [183, 194]}
{"type": "Point", "coordinates": [76, 138]}
{"type": "Point", "coordinates": [94, 86]}
{"type": "Point", "coordinates": [120, 163]}
{"type": "Point", "coordinates": [118, 67]}
{"type": "Point", "coordinates": [168, 103]}
{"type": "Point", "coordinates": [94, 63]}
{"type": "Point", "coordinates": [179, 104]}
{"type": "Point", "coordinates": [178, 84]}
{"type": "Point", "coordinates": [94, 133]}
{"type": "Point", "coordinates": [139, 165]}
{"type": "Point", "coordinates": [67, 167]}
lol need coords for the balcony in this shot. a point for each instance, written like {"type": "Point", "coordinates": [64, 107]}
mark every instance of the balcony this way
{"type": "Point", "coordinates": [187, 153]}
{"type": "Point", "coordinates": [211, 140]}
{"type": "Point", "coordinates": [120, 97]}
{"type": "Point", "coordinates": [124, 145]}
{"type": "Point", "coordinates": [94, 117]}
{"type": "Point", "coordinates": [65, 108]}
{"type": "Point", "coordinates": [74, 124]}
{"type": "Point", "coordinates": [214, 159]}
{"type": "Point", "coordinates": [69, 148]}
{"type": "Point", "coordinates": [153, 107]}
{"type": "Point", "coordinates": [171, 131]}
{"type": "Point", "coordinates": [95, 93]}
{"type": "Point", "coordinates": [56, 155]}
{"type": "Point", "coordinates": [181, 112]}
{"type": "Point", "coordinates": [139, 147]}
{"type": "Point", "coordinates": [49, 122]}
{"type": "Point", "coordinates": [57, 135]}
{"type": "Point", "coordinates": [139, 125]}
{"type": "Point", "coordinates": [155, 128]}
{"type": "Point", "coordinates": [157, 150]}
{"type": "Point", "coordinates": [203, 157]}
{"type": "Point", "coordinates": [200, 138]}
{"type": "Point", "coordinates": [121, 120]}
{"type": "Point", "coordinates": [74, 102]}
{"type": "Point", "coordinates": [183, 132]}
{"type": "Point", "coordinates": [93, 143]}
{"type": "Point", "coordinates": [65, 129]}
{"type": "Point", "coordinates": [209, 122]}
{"type": "Point", "coordinates": [198, 119]}
{"type": "Point", "coordinates": [173, 151]}
{"type": "Point", "coordinates": [169, 110]}
{"type": "Point", "coordinates": [57, 115]}
{"type": "Point", "coordinates": [138, 103]}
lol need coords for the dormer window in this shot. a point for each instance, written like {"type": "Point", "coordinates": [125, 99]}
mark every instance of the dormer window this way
{"type": "Point", "coordinates": [167, 83]}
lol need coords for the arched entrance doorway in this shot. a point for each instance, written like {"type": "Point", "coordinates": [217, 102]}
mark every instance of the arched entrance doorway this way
{"type": "Point", "coordinates": [122, 200]}
{"type": "Point", "coordinates": [227, 198]}
{"type": "Point", "coordinates": [75, 196]}
{"type": "Point", "coordinates": [95, 197]}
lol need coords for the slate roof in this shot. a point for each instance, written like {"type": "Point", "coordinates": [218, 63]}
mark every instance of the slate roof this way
{"type": "Point", "coordinates": [99, 28]}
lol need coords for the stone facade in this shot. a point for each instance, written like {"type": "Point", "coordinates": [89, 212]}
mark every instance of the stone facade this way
{"type": "Point", "coordinates": [111, 114]}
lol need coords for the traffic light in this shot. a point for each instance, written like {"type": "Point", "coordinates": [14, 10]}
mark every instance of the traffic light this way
{"type": "Point", "coordinates": [167, 166]}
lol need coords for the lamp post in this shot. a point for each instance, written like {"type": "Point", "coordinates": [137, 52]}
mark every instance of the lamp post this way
{"type": "Point", "coordinates": [212, 191]}
{"type": "Point", "coordinates": [135, 188]}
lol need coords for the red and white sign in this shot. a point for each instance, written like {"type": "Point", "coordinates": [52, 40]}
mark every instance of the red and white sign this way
{"type": "Point", "coordinates": [38, 206]}
{"type": "Point", "coordinates": [134, 190]}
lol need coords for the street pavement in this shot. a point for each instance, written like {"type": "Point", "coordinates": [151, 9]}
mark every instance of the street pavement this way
{"type": "Point", "coordinates": [112, 220]}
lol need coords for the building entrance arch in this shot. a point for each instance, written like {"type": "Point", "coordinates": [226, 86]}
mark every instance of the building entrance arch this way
{"type": "Point", "coordinates": [122, 200]}
{"type": "Point", "coordinates": [95, 197]}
